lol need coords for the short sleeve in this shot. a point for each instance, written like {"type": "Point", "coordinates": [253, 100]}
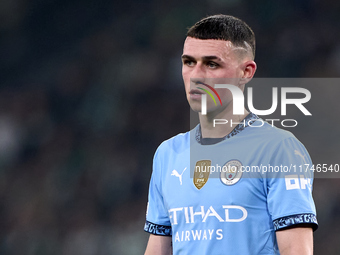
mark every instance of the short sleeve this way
{"type": "Point", "coordinates": [289, 191]}
{"type": "Point", "coordinates": [157, 220]}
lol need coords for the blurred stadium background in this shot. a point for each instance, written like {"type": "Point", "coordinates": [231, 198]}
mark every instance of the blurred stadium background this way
{"type": "Point", "coordinates": [89, 89]}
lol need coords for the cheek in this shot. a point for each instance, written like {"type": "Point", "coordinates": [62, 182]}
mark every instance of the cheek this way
{"type": "Point", "coordinates": [227, 74]}
{"type": "Point", "coordinates": [185, 71]}
{"type": "Point", "coordinates": [224, 94]}
{"type": "Point", "coordinates": [186, 78]}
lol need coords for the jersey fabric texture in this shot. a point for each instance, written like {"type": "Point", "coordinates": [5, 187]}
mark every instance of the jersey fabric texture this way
{"type": "Point", "coordinates": [230, 195]}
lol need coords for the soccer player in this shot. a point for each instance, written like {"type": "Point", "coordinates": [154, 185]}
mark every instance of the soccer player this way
{"type": "Point", "coordinates": [201, 201]}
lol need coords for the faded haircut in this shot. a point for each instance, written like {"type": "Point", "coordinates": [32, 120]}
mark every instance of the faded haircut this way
{"type": "Point", "coordinates": [227, 28]}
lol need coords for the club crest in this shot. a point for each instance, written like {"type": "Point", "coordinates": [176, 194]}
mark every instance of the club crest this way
{"type": "Point", "coordinates": [231, 173]}
{"type": "Point", "coordinates": [201, 173]}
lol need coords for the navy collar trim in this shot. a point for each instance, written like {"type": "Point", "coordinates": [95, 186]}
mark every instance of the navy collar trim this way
{"type": "Point", "coordinates": [246, 122]}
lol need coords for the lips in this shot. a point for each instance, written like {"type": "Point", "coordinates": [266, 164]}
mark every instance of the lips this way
{"type": "Point", "coordinates": [195, 92]}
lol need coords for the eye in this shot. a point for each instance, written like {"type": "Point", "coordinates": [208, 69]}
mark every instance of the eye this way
{"type": "Point", "coordinates": [212, 64]}
{"type": "Point", "coordinates": [188, 62]}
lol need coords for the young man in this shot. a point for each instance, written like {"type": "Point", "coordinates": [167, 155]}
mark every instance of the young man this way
{"type": "Point", "coordinates": [192, 208]}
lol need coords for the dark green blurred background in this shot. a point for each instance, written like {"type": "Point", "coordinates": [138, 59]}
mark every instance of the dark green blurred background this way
{"type": "Point", "coordinates": [89, 89]}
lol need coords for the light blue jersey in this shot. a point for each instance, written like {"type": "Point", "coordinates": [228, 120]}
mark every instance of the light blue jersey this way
{"type": "Point", "coordinates": [230, 195]}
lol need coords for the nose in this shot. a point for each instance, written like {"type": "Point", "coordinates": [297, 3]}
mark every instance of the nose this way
{"type": "Point", "coordinates": [197, 74]}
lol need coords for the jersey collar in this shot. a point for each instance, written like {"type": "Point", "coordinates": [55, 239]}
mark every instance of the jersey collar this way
{"type": "Point", "coordinates": [248, 120]}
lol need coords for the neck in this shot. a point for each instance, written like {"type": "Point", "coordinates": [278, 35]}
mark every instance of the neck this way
{"type": "Point", "coordinates": [218, 124]}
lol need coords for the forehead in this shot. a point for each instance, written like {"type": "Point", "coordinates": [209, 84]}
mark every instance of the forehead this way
{"type": "Point", "coordinates": [198, 48]}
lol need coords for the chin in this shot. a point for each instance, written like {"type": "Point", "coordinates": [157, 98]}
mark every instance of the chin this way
{"type": "Point", "coordinates": [195, 107]}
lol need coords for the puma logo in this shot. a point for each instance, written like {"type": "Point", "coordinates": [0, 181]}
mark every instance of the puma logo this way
{"type": "Point", "coordinates": [175, 173]}
{"type": "Point", "coordinates": [299, 154]}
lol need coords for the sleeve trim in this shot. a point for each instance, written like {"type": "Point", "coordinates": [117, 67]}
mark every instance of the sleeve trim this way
{"type": "Point", "coordinates": [156, 229]}
{"type": "Point", "coordinates": [292, 220]}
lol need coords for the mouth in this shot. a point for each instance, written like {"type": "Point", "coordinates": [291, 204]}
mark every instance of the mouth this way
{"type": "Point", "coordinates": [195, 92]}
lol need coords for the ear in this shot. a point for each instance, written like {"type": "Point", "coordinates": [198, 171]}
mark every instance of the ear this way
{"type": "Point", "coordinates": [248, 68]}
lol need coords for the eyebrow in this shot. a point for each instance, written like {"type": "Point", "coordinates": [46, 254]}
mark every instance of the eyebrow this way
{"type": "Point", "coordinates": [205, 58]}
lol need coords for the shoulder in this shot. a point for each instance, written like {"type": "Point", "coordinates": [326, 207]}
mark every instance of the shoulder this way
{"type": "Point", "coordinates": [281, 146]}
{"type": "Point", "coordinates": [270, 134]}
{"type": "Point", "coordinates": [272, 141]}
{"type": "Point", "coordinates": [176, 144]}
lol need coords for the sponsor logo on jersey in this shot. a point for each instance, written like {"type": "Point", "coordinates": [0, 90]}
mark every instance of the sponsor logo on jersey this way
{"type": "Point", "coordinates": [229, 213]}
{"type": "Point", "coordinates": [232, 173]}
{"type": "Point", "coordinates": [202, 175]}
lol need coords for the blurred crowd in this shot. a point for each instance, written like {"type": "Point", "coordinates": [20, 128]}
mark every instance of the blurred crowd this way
{"type": "Point", "coordinates": [89, 89]}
